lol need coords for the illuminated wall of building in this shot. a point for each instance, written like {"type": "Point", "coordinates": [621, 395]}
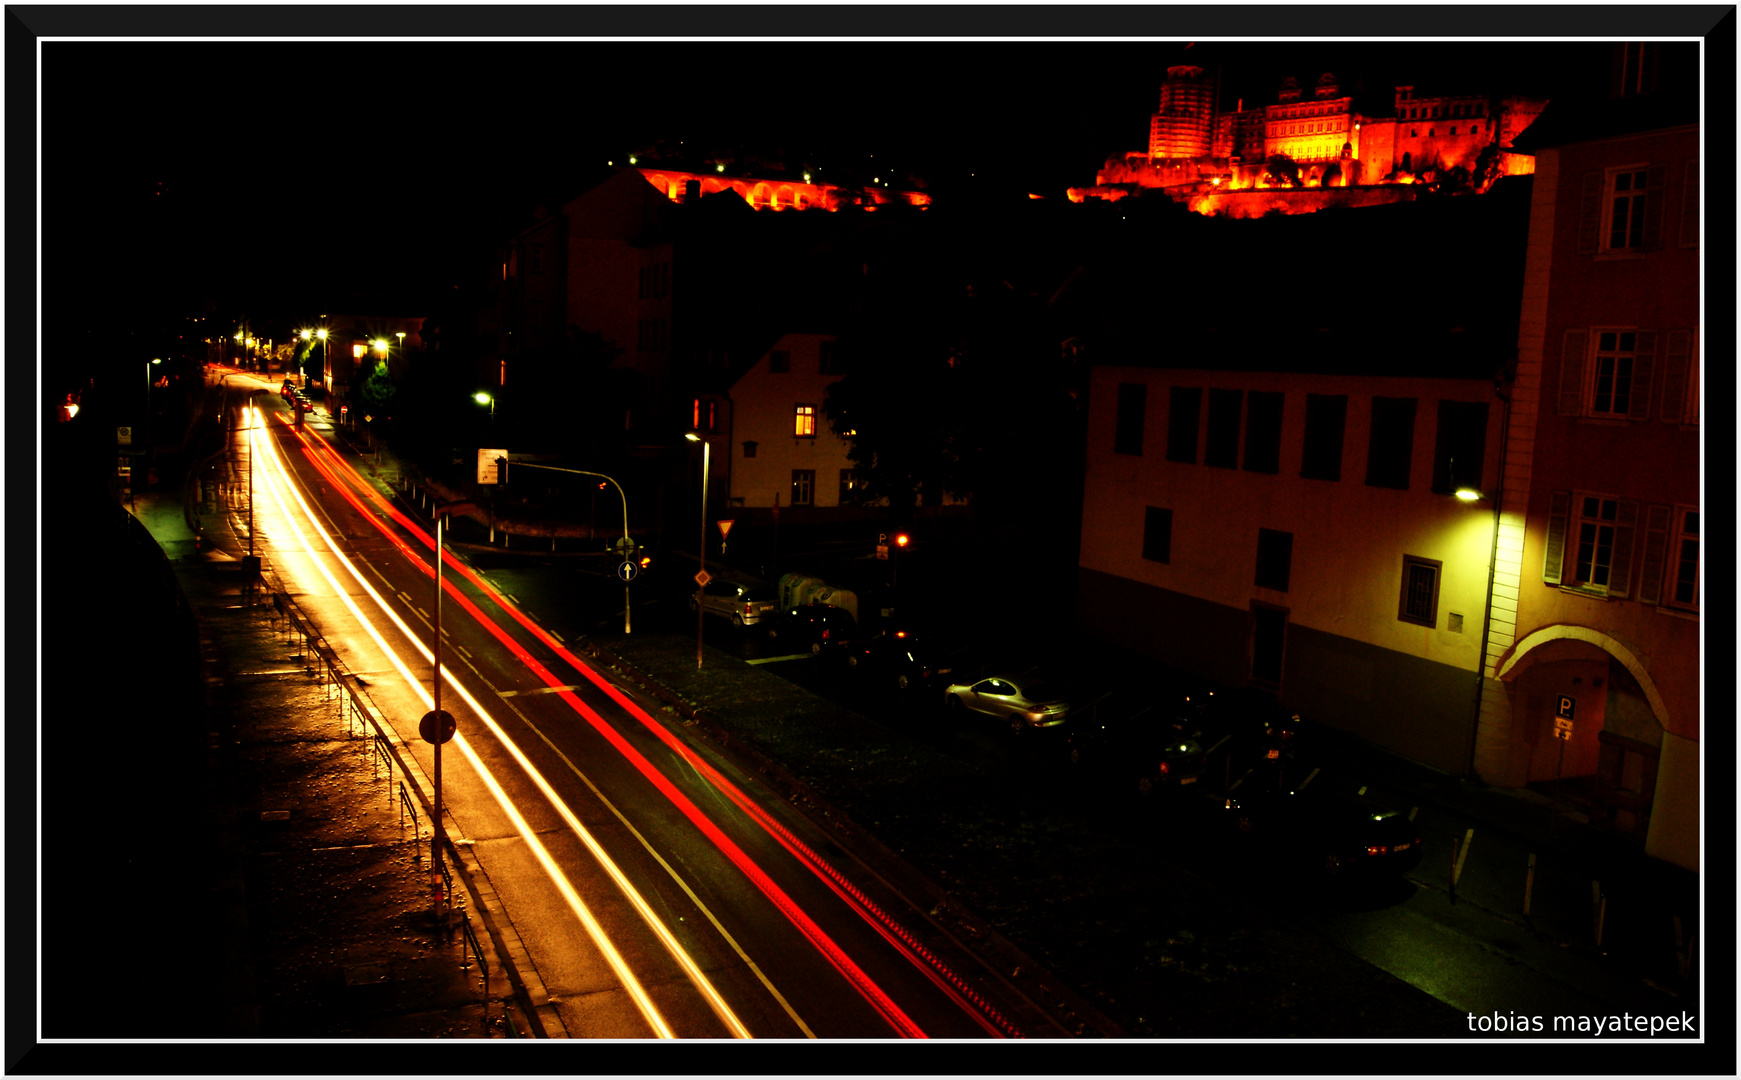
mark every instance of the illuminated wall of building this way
{"type": "Point", "coordinates": [779, 194]}
{"type": "Point", "coordinates": [1192, 147]}
{"type": "Point", "coordinates": [766, 447]}
{"type": "Point", "coordinates": [1348, 657]}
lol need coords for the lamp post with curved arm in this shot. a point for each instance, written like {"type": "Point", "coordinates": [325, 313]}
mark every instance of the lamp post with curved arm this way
{"type": "Point", "coordinates": [626, 546]}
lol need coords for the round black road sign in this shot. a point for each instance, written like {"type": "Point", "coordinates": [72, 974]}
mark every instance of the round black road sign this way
{"type": "Point", "coordinates": [437, 727]}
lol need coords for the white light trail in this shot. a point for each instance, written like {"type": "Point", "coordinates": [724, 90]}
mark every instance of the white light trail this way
{"type": "Point", "coordinates": [639, 903]}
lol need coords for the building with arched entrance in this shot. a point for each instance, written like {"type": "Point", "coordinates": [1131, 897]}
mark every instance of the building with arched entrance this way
{"type": "Point", "coordinates": [1593, 670]}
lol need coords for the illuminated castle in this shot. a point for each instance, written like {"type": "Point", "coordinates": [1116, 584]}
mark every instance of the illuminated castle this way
{"type": "Point", "coordinates": [1198, 153]}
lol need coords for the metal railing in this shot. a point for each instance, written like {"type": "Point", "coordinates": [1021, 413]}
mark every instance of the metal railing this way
{"type": "Point", "coordinates": [361, 715]}
{"type": "Point", "coordinates": [471, 945]}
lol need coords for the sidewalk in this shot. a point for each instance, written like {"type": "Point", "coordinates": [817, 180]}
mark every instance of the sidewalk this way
{"type": "Point", "coordinates": [328, 929]}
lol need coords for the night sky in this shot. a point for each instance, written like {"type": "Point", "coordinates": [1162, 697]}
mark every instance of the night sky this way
{"type": "Point", "coordinates": [300, 177]}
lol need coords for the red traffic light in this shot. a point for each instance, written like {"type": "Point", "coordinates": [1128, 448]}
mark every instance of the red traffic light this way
{"type": "Point", "coordinates": [901, 539]}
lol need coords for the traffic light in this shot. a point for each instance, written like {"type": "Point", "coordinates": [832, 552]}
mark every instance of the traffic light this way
{"type": "Point", "coordinates": [902, 539]}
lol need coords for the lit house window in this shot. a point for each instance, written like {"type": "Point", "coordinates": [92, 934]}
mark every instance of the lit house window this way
{"type": "Point", "coordinates": [1157, 534]}
{"type": "Point", "coordinates": [1127, 435]}
{"type": "Point", "coordinates": [1614, 380]}
{"type": "Point", "coordinates": [1626, 210]}
{"type": "Point", "coordinates": [1420, 591]}
{"type": "Point", "coordinates": [1684, 553]}
{"type": "Point", "coordinates": [1620, 210]}
{"type": "Point", "coordinates": [1594, 539]}
{"type": "Point", "coordinates": [804, 422]}
{"type": "Point", "coordinates": [1611, 379]}
{"type": "Point", "coordinates": [1589, 543]}
{"type": "Point", "coordinates": [1638, 68]}
{"type": "Point", "coordinates": [1275, 552]}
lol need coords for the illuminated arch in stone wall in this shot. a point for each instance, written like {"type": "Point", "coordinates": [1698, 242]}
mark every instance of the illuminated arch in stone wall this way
{"type": "Point", "coordinates": [1508, 668]}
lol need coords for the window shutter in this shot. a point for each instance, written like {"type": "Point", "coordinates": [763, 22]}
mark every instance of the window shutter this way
{"type": "Point", "coordinates": [1674, 376]}
{"type": "Point", "coordinates": [1655, 181]}
{"type": "Point", "coordinates": [1559, 506]}
{"type": "Point", "coordinates": [1690, 205]}
{"type": "Point", "coordinates": [1572, 372]}
{"type": "Point", "coordinates": [1643, 368]}
{"type": "Point", "coordinates": [1590, 214]}
{"type": "Point", "coordinates": [1655, 546]}
{"type": "Point", "coordinates": [1620, 572]}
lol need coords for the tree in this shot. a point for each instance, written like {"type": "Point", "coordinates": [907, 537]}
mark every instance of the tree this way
{"type": "Point", "coordinates": [897, 405]}
{"type": "Point", "coordinates": [1284, 168]}
{"type": "Point", "coordinates": [377, 390]}
{"type": "Point", "coordinates": [961, 390]}
{"type": "Point", "coordinates": [1489, 166]}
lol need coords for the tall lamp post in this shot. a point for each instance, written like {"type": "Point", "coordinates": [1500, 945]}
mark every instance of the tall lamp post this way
{"type": "Point", "coordinates": [438, 726]}
{"type": "Point", "coordinates": [252, 416]}
{"type": "Point", "coordinates": [701, 548]}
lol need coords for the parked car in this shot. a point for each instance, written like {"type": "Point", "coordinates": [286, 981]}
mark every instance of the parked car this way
{"type": "Point", "coordinates": [900, 658]}
{"type": "Point", "coordinates": [1154, 748]}
{"type": "Point", "coordinates": [744, 604]}
{"type": "Point", "coordinates": [818, 627]}
{"type": "Point", "coordinates": [1257, 731]}
{"type": "Point", "coordinates": [1026, 702]}
{"type": "Point", "coordinates": [1330, 832]}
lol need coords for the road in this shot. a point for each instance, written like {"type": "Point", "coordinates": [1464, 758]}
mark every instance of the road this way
{"type": "Point", "coordinates": [658, 891]}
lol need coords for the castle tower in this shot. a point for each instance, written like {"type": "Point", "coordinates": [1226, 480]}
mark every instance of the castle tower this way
{"type": "Point", "coordinates": [1184, 126]}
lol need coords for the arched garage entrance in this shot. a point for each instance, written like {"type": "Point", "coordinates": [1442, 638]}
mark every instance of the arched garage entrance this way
{"type": "Point", "coordinates": [1607, 767]}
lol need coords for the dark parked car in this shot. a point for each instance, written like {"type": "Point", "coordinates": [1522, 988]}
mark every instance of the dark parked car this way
{"type": "Point", "coordinates": [818, 627]}
{"type": "Point", "coordinates": [901, 659]}
{"type": "Point", "coordinates": [1152, 748]}
{"type": "Point", "coordinates": [744, 604]}
{"type": "Point", "coordinates": [1256, 730]}
{"type": "Point", "coordinates": [1330, 832]}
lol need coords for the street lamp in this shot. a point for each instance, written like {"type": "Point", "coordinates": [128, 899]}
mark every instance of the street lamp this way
{"type": "Point", "coordinates": [701, 548]}
{"type": "Point", "coordinates": [438, 721]}
{"type": "Point", "coordinates": [625, 546]}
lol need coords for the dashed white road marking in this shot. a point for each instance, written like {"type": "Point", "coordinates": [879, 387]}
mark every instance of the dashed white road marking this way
{"type": "Point", "coordinates": [540, 690]}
